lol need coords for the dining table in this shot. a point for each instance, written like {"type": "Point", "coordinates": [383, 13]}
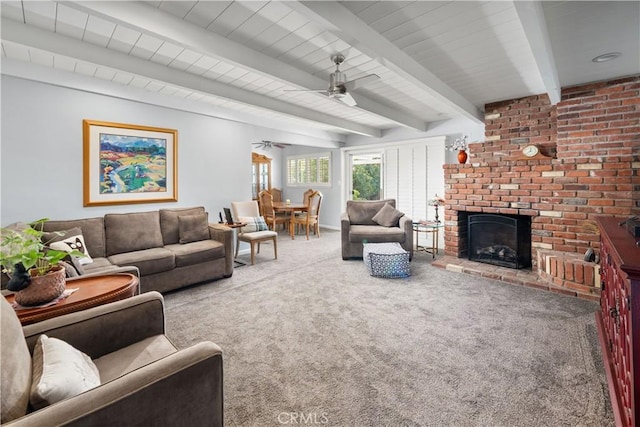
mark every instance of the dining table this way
{"type": "Point", "coordinates": [290, 208]}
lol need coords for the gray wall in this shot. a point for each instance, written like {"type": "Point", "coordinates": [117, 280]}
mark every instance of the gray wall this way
{"type": "Point", "coordinates": [41, 152]}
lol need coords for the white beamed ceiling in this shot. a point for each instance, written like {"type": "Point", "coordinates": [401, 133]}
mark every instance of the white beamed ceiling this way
{"type": "Point", "coordinates": [436, 60]}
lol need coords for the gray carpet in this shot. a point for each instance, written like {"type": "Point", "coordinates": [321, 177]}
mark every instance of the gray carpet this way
{"type": "Point", "coordinates": [314, 339]}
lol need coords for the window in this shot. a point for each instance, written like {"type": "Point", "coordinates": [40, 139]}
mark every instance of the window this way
{"type": "Point", "coordinates": [309, 169]}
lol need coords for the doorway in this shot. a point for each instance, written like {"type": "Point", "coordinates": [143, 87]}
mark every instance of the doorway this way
{"type": "Point", "coordinates": [366, 176]}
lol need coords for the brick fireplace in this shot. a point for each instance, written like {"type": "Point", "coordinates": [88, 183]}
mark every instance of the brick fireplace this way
{"type": "Point", "coordinates": [593, 139]}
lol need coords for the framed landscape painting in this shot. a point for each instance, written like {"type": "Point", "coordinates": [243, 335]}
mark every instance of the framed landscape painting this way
{"type": "Point", "coordinates": [126, 163]}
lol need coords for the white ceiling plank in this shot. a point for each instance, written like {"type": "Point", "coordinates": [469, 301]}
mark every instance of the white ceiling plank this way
{"type": "Point", "coordinates": [532, 19]}
{"type": "Point", "coordinates": [232, 17]}
{"type": "Point", "coordinates": [178, 8]}
{"type": "Point", "coordinates": [12, 9]}
{"type": "Point", "coordinates": [168, 27]}
{"type": "Point", "coordinates": [98, 31]}
{"type": "Point", "coordinates": [185, 59]}
{"type": "Point", "coordinates": [86, 68]}
{"type": "Point", "coordinates": [41, 39]}
{"type": "Point", "coordinates": [41, 57]}
{"type": "Point", "coordinates": [146, 46]}
{"type": "Point", "coordinates": [71, 22]}
{"type": "Point", "coordinates": [103, 73]}
{"type": "Point", "coordinates": [123, 39]}
{"type": "Point", "coordinates": [336, 18]}
{"type": "Point", "coordinates": [166, 53]}
{"type": "Point", "coordinates": [64, 63]}
{"type": "Point", "coordinates": [40, 13]}
{"type": "Point", "coordinates": [16, 51]}
{"type": "Point", "coordinates": [205, 12]}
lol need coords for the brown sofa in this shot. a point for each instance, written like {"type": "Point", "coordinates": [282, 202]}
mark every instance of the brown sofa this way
{"type": "Point", "coordinates": [357, 227]}
{"type": "Point", "coordinates": [150, 241]}
{"type": "Point", "coordinates": [144, 379]}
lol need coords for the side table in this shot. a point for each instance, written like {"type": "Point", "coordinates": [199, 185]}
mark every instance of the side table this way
{"type": "Point", "coordinates": [428, 227]}
{"type": "Point", "coordinates": [235, 227]}
{"type": "Point", "coordinates": [92, 291]}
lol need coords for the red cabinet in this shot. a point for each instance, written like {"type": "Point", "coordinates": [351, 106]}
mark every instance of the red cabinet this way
{"type": "Point", "coordinates": [619, 318]}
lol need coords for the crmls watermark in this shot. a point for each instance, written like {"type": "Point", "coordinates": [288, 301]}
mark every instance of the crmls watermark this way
{"type": "Point", "coordinates": [300, 418]}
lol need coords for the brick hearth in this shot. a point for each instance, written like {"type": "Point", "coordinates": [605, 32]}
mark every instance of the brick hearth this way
{"type": "Point", "coordinates": [593, 138]}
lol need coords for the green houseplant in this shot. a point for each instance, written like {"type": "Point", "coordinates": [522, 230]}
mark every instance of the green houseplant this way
{"type": "Point", "coordinates": [34, 269]}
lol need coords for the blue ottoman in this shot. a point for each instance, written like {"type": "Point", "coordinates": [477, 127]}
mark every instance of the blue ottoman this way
{"type": "Point", "coordinates": [386, 260]}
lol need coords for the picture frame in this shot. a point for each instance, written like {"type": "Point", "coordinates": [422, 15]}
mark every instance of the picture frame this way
{"type": "Point", "coordinates": [127, 163]}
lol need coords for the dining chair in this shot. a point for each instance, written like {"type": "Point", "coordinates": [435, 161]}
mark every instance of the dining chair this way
{"type": "Point", "coordinates": [272, 217]}
{"type": "Point", "coordinates": [311, 217]}
{"type": "Point", "coordinates": [277, 194]}
{"type": "Point", "coordinates": [306, 194]}
{"type": "Point", "coordinates": [248, 212]}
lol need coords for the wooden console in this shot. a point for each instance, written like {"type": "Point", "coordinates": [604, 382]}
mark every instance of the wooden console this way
{"type": "Point", "coordinates": [618, 320]}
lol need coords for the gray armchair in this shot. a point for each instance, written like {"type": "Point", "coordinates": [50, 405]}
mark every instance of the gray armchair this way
{"type": "Point", "coordinates": [357, 226]}
{"type": "Point", "coordinates": [145, 379]}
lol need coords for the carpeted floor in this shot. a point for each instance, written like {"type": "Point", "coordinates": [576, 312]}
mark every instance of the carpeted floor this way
{"type": "Point", "coordinates": [312, 339]}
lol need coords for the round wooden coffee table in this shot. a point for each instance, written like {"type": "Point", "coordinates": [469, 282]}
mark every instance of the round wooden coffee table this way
{"type": "Point", "coordinates": [92, 291]}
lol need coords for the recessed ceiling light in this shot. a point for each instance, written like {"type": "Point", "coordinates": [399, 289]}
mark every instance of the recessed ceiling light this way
{"type": "Point", "coordinates": [606, 57]}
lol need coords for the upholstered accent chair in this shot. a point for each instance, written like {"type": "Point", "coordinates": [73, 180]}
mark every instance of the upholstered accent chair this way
{"type": "Point", "coordinates": [374, 221]}
{"type": "Point", "coordinates": [139, 376]}
{"type": "Point", "coordinates": [250, 209]}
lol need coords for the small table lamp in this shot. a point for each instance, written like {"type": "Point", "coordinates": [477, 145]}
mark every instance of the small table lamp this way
{"type": "Point", "coordinates": [435, 202]}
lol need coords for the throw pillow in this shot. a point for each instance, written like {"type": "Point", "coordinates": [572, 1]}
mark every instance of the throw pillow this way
{"type": "Point", "coordinates": [69, 270]}
{"type": "Point", "coordinates": [68, 240]}
{"type": "Point", "coordinates": [59, 372]}
{"type": "Point", "coordinates": [193, 228]}
{"type": "Point", "coordinates": [388, 216]}
{"type": "Point", "coordinates": [256, 223]}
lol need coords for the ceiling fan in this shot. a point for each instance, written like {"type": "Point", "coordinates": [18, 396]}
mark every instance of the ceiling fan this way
{"type": "Point", "coordinates": [339, 87]}
{"type": "Point", "coordinates": [267, 145]}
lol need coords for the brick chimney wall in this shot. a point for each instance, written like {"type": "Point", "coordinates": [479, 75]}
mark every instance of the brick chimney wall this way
{"type": "Point", "coordinates": [593, 138]}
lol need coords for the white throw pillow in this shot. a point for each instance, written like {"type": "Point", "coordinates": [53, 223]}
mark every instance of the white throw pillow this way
{"type": "Point", "coordinates": [73, 242]}
{"type": "Point", "coordinates": [59, 372]}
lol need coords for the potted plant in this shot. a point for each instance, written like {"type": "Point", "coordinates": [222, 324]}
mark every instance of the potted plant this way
{"type": "Point", "coordinates": [36, 275]}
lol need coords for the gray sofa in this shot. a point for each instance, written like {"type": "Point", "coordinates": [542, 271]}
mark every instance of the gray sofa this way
{"type": "Point", "coordinates": [150, 241]}
{"type": "Point", "coordinates": [144, 379]}
{"type": "Point", "coordinates": [357, 226]}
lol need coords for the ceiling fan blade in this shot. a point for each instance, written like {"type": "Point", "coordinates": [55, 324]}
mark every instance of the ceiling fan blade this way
{"type": "Point", "coordinates": [305, 90]}
{"type": "Point", "coordinates": [361, 81]}
{"type": "Point", "coordinates": [348, 100]}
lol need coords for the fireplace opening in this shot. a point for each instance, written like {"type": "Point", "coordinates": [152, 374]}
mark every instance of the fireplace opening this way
{"type": "Point", "coordinates": [503, 240]}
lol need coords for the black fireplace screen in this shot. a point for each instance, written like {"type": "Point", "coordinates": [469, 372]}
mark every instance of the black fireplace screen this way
{"type": "Point", "coordinates": [503, 240]}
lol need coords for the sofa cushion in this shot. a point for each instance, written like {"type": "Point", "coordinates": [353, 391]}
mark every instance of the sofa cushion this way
{"type": "Point", "coordinates": [92, 232]}
{"type": "Point", "coordinates": [197, 252]}
{"type": "Point", "coordinates": [375, 234]}
{"type": "Point", "coordinates": [60, 371]}
{"type": "Point", "coordinates": [193, 228]}
{"type": "Point", "coordinates": [98, 264]}
{"type": "Point", "coordinates": [148, 261]}
{"type": "Point", "coordinates": [135, 356]}
{"type": "Point", "coordinates": [361, 212]}
{"type": "Point", "coordinates": [16, 366]}
{"type": "Point", "coordinates": [169, 225]}
{"type": "Point", "coordinates": [132, 232]}
{"type": "Point", "coordinates": [388, 216]}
